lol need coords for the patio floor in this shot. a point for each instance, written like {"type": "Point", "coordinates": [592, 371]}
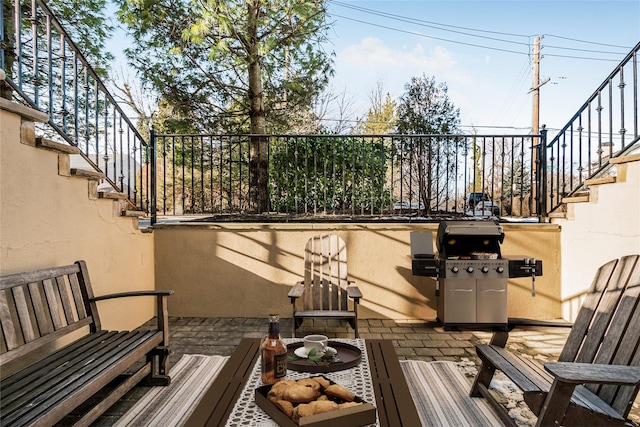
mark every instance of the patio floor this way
{"type": "Point", "coordinates": [412, 340]}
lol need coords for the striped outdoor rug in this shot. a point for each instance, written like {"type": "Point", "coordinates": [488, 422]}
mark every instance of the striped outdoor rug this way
{"type": "Point", "coordinates": [440, 392]}
{"type": "Point", "coordinates": [172, 405]}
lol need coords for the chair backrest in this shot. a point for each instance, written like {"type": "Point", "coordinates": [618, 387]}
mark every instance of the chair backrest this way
{"type": "Point", "coordinates": [325, 273]}
{"type": "Point", "coordinates": [607, 328]}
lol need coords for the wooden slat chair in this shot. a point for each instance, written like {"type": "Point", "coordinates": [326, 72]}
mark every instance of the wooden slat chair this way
{"type": "Point", "coordinates": [597, 375]}
{"type": "Point", "coordinates": [325, 291]}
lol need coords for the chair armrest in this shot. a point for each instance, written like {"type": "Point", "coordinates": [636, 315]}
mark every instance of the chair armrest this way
{"type": "Point", "coordinates": [296, 291]}
{"type": "Point", "coordinates": [132, 294]}
{"type": "Point", "coordinates": [590, 373]}
{"type": "Point", "coordinates": [353, 291]}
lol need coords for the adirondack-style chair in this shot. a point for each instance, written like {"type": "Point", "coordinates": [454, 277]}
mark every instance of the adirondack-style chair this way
{"type": "Point", "coordinates": [325, 291]}
{"type": "Point", "coordinates": [597, 375]}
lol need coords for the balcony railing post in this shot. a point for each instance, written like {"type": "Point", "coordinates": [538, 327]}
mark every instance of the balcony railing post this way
{"type": "Point", "coordinates": [542, 175]}
{"type": "Point", "coordinates": [153, 172]}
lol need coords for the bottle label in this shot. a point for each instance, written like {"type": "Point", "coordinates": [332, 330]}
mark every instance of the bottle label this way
{"type": "Point", "coordinates": [280, 361]}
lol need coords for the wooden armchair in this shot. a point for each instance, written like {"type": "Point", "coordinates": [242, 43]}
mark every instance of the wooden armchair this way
{"type": "Point", "coordinates": [597, 376]}
{"type": "Point", "coordinates": [325, 290]}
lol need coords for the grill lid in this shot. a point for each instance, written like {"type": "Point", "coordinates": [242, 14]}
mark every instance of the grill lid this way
{"type": "Point", "coordinates": [469, 239]}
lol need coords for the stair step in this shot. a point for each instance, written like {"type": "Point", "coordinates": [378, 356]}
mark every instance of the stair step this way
{"type": "Point", "coordinates": [111, 195]}
{"type": "Point", "coordinates": [625, 159]}
{"type": "Point", "coordinates": [83, 173]}
{"type": "Point", "coordinates": [133, 213]}
{"type": "Point", "coordinates": [598, 181]}
{"type": "Point", "coordinates": [558, 215]}
{"type": "Point", "coordinates": [575, 199]}
{"type": "Point", "coordinates": [56, 146]}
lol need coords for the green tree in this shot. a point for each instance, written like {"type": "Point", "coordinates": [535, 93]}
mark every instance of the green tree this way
{"type": "Point", "coordinates": [83, 20]}
{"type": "Point", "coordinates": [237, 65]}
{"type": "Point", "coordinates": [381, 117]}
{"type": "Point", "coordinates": [425, 109]}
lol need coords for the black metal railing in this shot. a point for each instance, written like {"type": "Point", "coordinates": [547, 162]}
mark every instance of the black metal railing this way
{"type": "Point", "coordinates": [45, 70]}
{"type": "Point", "coordinates": [606, 126]}
{"type": "Point", "coordinates": [355, 175]}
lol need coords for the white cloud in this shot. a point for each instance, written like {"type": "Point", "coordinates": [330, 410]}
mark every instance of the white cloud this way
{"type": "Point", "coordinates": [371, 51]}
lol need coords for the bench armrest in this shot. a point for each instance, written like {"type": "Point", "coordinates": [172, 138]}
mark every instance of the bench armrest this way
{"type": "Point", "coordinates": [162, 311]}
{"type": "Point", "coordinates": [591, 373]}
{"type": "Point", "coordinates": [132, 294]}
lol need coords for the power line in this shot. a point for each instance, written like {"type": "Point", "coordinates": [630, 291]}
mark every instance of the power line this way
{"type": "Point", "coordinates": [588, 42]}
{"type": "Point", "coordinates": [390, 15]}
{"type": "Point", "coordinates": [438, 26]}
{"type": "Point", "coordinates": [431, 37]}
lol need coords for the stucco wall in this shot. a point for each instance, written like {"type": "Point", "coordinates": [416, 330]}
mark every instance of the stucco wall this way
{"type": "Point", "coordinates": [229, 269]}
{"type": "Point", "coordinates": [48, 220]}
{"type": "Point", "coordinates": [606, 227]}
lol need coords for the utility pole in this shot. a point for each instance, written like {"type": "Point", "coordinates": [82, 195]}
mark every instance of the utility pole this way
{"type": "Point", "coordinates": [535, 122]}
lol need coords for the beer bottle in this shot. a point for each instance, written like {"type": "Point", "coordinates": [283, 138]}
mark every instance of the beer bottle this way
{"type": "Point", "coordinates": [274, 353]}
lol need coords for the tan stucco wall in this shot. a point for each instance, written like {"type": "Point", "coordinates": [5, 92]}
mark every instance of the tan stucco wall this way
{"type": "Point", "coordinates": [48, 220]}
{"type": "Point", "coordinates": [595, 232]}
{"type": "Point", "coordinates": [226, 269]}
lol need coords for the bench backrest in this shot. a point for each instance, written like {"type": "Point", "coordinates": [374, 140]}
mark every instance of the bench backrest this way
{"type": "Point", "coordinates": [325, 273]}
{"type": "Point", "coordinates": [607, 328]}
{"type": "Point", "coordinates": [39, 307]}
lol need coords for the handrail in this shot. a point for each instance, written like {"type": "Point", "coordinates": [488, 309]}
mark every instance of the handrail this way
{"type": "Point", "coordinates": [47, 71]}
{"type": "Point", "coordinates": [596, 133]}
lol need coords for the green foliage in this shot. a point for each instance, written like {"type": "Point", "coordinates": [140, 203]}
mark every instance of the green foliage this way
{"type": "Point", "coordinates": [197, 56]}
{"type": "Point", "coordinates": [341, 174]}
{"type": "Point", "coordinates": [425, 109]}
{"type": "Point", "coordinates": [88, 27]}
{"type": "Point", "coordinates": [381, 117]}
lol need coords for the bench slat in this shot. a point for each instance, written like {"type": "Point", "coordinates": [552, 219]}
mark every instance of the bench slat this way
{"type": "Point", "coordinates": [52, 302]}
{"type": "Point", "coordinates": [65, 299]}
{"type": "Point", "coordinates": [77, 296]}
{"type": "Point", "coordinates": [20, 279]}
{"type": "Point", "coordinates": [8, 326]}
{"type": "Point", "coordinates": [23, 314]}
{"type": "Point", "coordinates": [39, 307]}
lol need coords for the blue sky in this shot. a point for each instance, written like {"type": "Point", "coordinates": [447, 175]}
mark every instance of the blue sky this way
{"type": "Point", "coordinates": [482, 51]}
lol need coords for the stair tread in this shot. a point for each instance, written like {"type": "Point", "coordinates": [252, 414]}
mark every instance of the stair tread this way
{"type": "Point", "coordinates": [56, 146]}
{"type": "Point", "coordinates": [598, 181]}
{"type": "Point", "coordinates": [87, 174]}
{"type": "Point", "coordinates": [111, 195]}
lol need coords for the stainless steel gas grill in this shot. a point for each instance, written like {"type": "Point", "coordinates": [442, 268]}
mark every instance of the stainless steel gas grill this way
{"type": "Point", "coordinates": [471, 274]}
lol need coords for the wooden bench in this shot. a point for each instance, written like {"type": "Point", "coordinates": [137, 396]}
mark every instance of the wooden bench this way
{"type": "Point", "coordinates": [597, 376]}
{"type": "Point", "coordinates": [55, 355]}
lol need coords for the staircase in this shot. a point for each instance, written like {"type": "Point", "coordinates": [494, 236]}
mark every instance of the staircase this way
{"type": "Point", "coordinates": [28, 117]}
{"type": "Point", "coordinates": [600, 223]}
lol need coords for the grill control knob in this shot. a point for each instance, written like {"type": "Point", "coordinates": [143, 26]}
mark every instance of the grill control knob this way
{"type": "Point", "coordinates": [500, 269]}
{"type": "Point", "coordinates": [485, 269]}
{"type": "Point", "coordinates": [469, 269]}
{"type": "Point", "coordinates": [455, 269]}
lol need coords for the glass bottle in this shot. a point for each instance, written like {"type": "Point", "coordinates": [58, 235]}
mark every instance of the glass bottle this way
{"type": "Point", "coordinates": [274, 353]}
